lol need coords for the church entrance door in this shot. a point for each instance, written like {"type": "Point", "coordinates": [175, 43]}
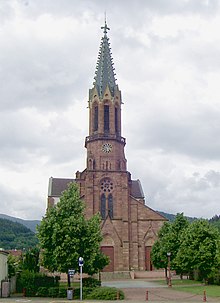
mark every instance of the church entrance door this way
{"type": "Point", "coordinates": [109, 251]}
{"type": "Point", "coordinates": [148, 264]}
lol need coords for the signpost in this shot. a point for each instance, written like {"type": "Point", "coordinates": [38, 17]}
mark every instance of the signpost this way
{"type": "Point", "coordinates": [80, 266]}
{"type": "Point", "coordinates": [71, 273]}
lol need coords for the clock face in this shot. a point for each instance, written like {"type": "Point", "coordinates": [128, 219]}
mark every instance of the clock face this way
{"type": "Point", "coordinates": [106, 147]}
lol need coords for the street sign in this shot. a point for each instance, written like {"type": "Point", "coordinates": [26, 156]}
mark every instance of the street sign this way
{"type": "Point", "coordinates": [71, 272]}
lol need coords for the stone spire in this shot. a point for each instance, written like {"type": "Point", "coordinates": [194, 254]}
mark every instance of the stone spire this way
{"type": "Point", "coordinates": [104, 74]}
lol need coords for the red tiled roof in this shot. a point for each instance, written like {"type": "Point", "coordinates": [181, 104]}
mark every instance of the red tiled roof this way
{"type": "Point", "coordinates": [15, 252]}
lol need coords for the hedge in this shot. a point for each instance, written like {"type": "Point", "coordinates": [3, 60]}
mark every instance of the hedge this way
{"type": "Point", "coordinates": [29, 282]}
{"type": "Point", "coordinates": [99, 293]}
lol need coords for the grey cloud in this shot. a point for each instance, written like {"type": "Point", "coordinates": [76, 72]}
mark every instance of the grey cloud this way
{"type": "Point", "coordinates": [195, 138]}
{"type": "Point", "coordinates": [27, 135]}
{"type": "Point", "coordinates": [169, 119]}
{"type": "Point", "coordinates": [17, 203]}
{"type": "Point", "coordinates": [195, 196]}
{"type": "Point", "coordinates": [48, 81]}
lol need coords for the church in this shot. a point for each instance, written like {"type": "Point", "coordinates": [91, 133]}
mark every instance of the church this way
{"type": "Point", "coordinates": [129, 227]}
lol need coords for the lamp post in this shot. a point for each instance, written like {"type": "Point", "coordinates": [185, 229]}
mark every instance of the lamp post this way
{"type": "Point", "coordinates": [81, 266]}
{"type": "Point", "coordinates": [169, 272]}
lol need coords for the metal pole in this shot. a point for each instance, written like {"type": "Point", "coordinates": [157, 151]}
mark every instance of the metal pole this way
{"type": "Point", "coordinates": [80, 283]}
{"type": "Point", "coordinates": [169, 271]}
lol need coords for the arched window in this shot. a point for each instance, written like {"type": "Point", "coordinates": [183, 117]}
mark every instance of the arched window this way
{"type": "Point", "coordinates": [96, 118]}
{"type": "Point", "coordinates": [110, 205]}
{"type": "Point", "coordinates": [116, 120]}
{"type": "Point", "coordinates": [106, 118]}
{"type": "Point", "coordinates": [103, 206]}
{"type": "Point", "coordinates": [94, 164]}
{"type": "Point", "coordinates": [106, 205]}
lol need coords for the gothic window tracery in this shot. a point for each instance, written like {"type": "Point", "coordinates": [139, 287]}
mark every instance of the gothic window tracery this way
{"type": "Point", "coordinates": [106, 185]}
{"type": "Point", "coordinates": [110, 206]}
{"type": "Point", "coordinates": [106, 205]}
{"type": "Point", "coordinates": [103, 206]}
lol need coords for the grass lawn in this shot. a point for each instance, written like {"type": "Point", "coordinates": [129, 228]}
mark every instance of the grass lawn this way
{"type": "Point", "coordinates": [193, 287]}
{"type": "Point", "coordinates": [211, 290]}
{"type": "Point", "coordinates": [179, 282]}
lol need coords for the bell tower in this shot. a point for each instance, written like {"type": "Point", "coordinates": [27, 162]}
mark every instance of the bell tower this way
{"type": "Point", "coordinates": [105, 145]}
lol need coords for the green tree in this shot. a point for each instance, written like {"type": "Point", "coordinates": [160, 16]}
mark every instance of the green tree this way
{"type": "Point", "coordinates": [65, 235]}
{"type": "Point", "coordinates": [169, 238]}
{"type": "Point", "coordinates": [31, 260]}
{"type": "Point", "coordinates": [14, 265]}
{"type": "Point", "coordinates": [160, 247]}
{"type": "Point", "coordinates": [215, 221]}
{"type": "Point", "coordinates": [199, 249]}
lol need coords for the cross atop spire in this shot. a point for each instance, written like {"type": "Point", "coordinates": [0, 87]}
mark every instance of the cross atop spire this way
{"type": "Point", "coordinates": [105, 27]}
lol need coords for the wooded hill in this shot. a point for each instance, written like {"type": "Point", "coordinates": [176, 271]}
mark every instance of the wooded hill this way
{"type": "Point", "coordinates": [31, 224]}
{"type": "Point", "coordinates": [215, 221]}
{"type": "Point", "coordinates": [14, 235]}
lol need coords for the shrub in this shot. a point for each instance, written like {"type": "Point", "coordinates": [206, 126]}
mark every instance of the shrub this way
{"type": "Point", "coordinates": [91, 282]}
{"type": "Point", "coordinates": [86, 292]}
{"type": "Point", "coordinates": [62, 293]}
{"type": "Point", "coordinates": [33, 281]}
{"type": "Point", "coordinates": [106, 293]}
{"type": "Point", "coordinates": [214, 277]}
{"type": "Point", "coordinates": [42, 292]}
{"type": "Point", "coordinates": [53, 292]}
{"type": "Point", "coordinates": [30, 291]}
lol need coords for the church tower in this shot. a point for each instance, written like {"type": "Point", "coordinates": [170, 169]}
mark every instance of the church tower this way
{"type": "Point", "coordinates": [105, 146]}
{"type": "Point", "coordinates": [128, 226]}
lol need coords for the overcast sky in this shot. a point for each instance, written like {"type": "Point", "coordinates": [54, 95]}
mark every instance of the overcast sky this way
{"type": "Point", "coordinates": [167, 62]}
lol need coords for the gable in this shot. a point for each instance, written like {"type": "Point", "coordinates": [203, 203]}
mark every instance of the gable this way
{"type": "Point", "coordinates": [147, 213]}
{"type": "Point", "coordinates": [108, 230]}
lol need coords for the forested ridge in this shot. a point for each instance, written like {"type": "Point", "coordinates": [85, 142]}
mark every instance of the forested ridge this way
{"type": "Point", "coordinates": [14, 235]}
{"type": "Point", "coordinates": [215, 221]}
{"type": "Point", "coordinates": [31, 224]}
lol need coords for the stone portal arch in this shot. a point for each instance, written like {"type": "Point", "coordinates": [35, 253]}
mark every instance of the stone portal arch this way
{"type": "Point", "coordinates": [148, 247]}
{"type": "Point", "coordinates": [107, 247]}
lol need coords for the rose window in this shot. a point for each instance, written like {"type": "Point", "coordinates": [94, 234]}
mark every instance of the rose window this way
{"type": "Point", "coordinates": [106, 186]}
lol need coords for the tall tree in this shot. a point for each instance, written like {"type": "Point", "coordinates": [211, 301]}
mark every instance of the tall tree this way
{"type": "Point", "coordinates": [161, 247]}
{"type": "Point", "coordinates": [199, 249]}
{"type": "Point", "coordinates": [31, 260]}
{"type": "Point", "coordinates": [65, 235]}
{"type": "Point", "coordinates": [168, 242]}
